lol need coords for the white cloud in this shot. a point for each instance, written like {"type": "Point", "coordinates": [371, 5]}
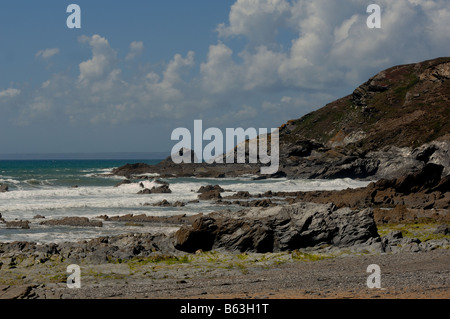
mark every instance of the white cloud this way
{"type": "Point", "coordinates": [219, 72]}
{"type": "Point", "coordinates": [47, 53]}
{"type": "Point", "coordinates": [102, 62]}
{"type": "Point", "coordinates": [330, 51]}
{"type": "Point", "coordinates": [136, 49]}
{"type": "Point", "coordinates": [332, 46]}
{"type": "Point", "coordinates": [9, 93]}
{"type": "Point", "coordinates": [259, 21]}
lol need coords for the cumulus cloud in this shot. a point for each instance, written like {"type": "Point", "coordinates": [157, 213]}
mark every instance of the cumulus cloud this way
{"type": "Point", "coordinates": [9, 93]}
{"type": "Point", "coordinates": [102, 62]}
{"type": "Point", "coordinates": [326, 51]}
{"type": "Point", "coordinates": [259, 21]}
{"type": "Point", "coordinates": [136, 49]}
{"type": "Point", "coordinates": [332, 44]}
{"type": "Point", "coordinates": [47, 53]}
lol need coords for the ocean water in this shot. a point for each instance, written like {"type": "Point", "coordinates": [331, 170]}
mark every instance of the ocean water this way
{"type": "Point", "coordinates": [60, 188]}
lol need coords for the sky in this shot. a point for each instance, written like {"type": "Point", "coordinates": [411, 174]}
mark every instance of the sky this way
{"type": "Point", "coordinates": [137, 70]}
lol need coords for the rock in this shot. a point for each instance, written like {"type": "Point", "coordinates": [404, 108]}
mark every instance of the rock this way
{"type": "Point", "coordinates": [16, 292]}
{"type": "Point", "coordinates": [255, 203]}
{"type": "Point", "coordinates": [22, 224]}
{"type": "Point", "coordinates": [177, 219]}
{"type": "Point", "coordinates": [209, 188]}
{"type": "Point", "coordinates": [158, 181]}
{"type": "Point", "coordinates": [278, 229]}
{"type": "Point", "coordinates": [38, 217]}
{"type": "Point", "coordinates": [73, 221]}
{"type": "Point", "coordinates": [131, 169]}
{"type": "Point", "coordinates": [427, 178]}
{"type": "Point", "coordinates": [240, 194]}
{"type": "Point", "coordinates": [163, 203]}
{"type": "Point", "coordinates": [214, 194]}
{"type": "Point", "coordinates": [442, 229]}
{"type": "Point", "coordinates": [3, 188]}
{"type": "Point", "coordinates": [164, 189]}
{"type": "Point", "coordinates": [178, 204]}
{"type": "Point", "coordinates": [145, 191]}
{"type": "Point", "coordinates": [125, 181]}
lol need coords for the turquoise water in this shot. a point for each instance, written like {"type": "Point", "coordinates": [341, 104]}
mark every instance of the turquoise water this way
{"type": "Point", "coordinates": [25, 174]}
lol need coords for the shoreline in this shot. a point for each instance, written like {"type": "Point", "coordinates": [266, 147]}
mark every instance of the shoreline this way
{"type": "Point", "coordinates": [411, 268]}
{"type": "Point", "coordinates": [323, 239]}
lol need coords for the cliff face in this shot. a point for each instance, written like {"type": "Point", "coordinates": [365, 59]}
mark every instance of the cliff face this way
{"type": "Point", "coordinates": [393, 124]}
{"type": "Point", "coordinates": [396, 122]}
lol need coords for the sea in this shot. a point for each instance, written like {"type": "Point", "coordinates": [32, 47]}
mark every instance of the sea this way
{"type": "Point", "coordinates": [54, 189]}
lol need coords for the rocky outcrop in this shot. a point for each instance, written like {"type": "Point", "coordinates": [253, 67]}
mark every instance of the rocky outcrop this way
{"type": "Point", "coordinates": [73, 221]}
{"type": "Point", "coordinates": [3, 188]}
{"type": "Point", "coordinates": [143, 218]}
{"type": "Point", "coordinates": [423, 189]}
{"type": "Point", "coordinates": [213, 194]}
{"type": "Point", "coordinates": [278, 229]}
{"type": "Point", "coordinates": [166, 203]}
{"type": "Point", "coordinates": [208, 188]}
{"type": "Point", "coordinates": [21, 224]}
{"type": "Point", "coordinates": [395, 242]}
{"type": "Point", "coordinates": [164, 189]}
{"type": "Point", "coordinates": [99, 250]}
{"type": "Point", "coordinates": [393, 124]}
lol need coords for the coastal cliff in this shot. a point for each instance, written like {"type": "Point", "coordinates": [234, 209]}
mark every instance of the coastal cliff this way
{"type": "Point", "coordinates": [393, 124]}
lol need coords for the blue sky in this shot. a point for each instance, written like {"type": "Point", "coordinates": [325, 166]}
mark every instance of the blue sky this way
{"type": "Point", "coordinates": [136, 70]}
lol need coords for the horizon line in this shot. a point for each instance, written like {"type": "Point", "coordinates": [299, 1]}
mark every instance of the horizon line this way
{"type": "Point", "coordinates": [85, 155]}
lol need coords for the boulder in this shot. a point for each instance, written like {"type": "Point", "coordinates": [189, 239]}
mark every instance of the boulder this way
{"type": "Point", "coordinates": [278, 229]}
{"type": "Point", "coordinates": [209, 188]}
{"type": "Point", "coordinates": [214, 194]}
{"type": "Point", "coordinates": [3, 188]}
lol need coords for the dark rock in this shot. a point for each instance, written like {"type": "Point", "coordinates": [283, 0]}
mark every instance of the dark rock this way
{"type": "Point", "coordinates": [255, 203]}
{"type": "Point", "coordinates": [209, 188]}
{"type": "Point", "coordinates": [145, 191]}
{"type": "Point", "coordinates": [163, 203]}
{"type": "Point", "coordinates": [73, 221]}
{"type": "Point", "coordinates": [177, 219]}
{"type": "Point", "coordinates": [158, 181]}
{"type": "Point", "coordinates": [178, 204]}
{"type": "Point", "coordinates": [164, 189]}
{"type": "Point", "coordinates": [214, 194]}
{"type": "Point", "coordinates": [278, 229]}
{"type": "Point", "coordinates": [3, 188]}
{"type": "Point", "coordinates": [240, 195]}
{"type": "Point", "coordinates": [428, 177]}
{"type": "Point", "coordinates": [131, 169]}
{"type": "Point", "coordinates": [22, 224]}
